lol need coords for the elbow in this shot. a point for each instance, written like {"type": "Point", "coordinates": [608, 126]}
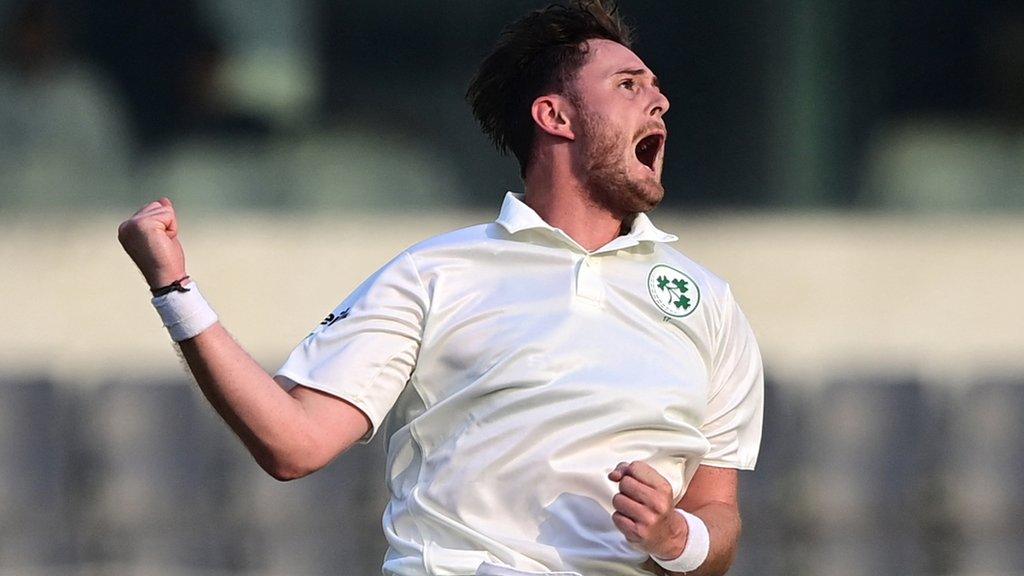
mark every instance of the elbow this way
{"type": "Point", "coordinates": [287, 469]}
{"type": "Point", "coordinates": [297, 457]}
{"type": "Point", "coordinates": [284, 474]}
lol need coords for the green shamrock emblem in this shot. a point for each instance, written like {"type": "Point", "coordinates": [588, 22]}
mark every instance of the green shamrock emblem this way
{"type": "Point", "coordinates": [676, 291]}
{"type": "Point", "coordinates": [673, 292]}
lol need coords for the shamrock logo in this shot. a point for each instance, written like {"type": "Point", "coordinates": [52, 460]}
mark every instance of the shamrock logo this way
{"type": "Point", "coordinates": [679, 287]}
{"type": "Point", "coordinates": [675, 293]}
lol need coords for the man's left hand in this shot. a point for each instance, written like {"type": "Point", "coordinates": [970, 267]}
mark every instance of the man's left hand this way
{"type": "Point", "coordinates": [644, 510]}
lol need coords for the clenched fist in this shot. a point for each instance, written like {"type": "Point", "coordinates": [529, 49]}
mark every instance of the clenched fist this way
{"type": "Point", "coordinates": [150, 237]}
{"type": "Point", "coordinates": [644, 510]}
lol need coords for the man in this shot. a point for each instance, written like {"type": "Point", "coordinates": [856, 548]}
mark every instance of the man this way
{"type": "Point", "coordinates": [567, 393]}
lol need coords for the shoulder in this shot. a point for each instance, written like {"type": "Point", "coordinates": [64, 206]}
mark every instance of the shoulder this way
{"type": "Point", "coordinates": [462, 243]}
{"type": "Point", "coordinates": [714, 287]}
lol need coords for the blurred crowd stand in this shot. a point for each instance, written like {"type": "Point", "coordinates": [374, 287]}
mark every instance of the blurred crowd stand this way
{"type": "Point", "coordinates": [971, 160]}
{"type": "Point", "coordinates": [99, 98]}
{"type": "Point", "coordinates": [64, 138]}
{"type": "Point", "coordinates": [157, 104]}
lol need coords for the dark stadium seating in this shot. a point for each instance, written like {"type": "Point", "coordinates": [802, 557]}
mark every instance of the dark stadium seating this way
{"type": "Point", "coordinates": [774, 486]}
{"type": "Point", "coordinates": [324, 521]}
{"type": "Point", "coordinates": [861, 476]}
{"type": "Point", "coordinates": [982, 474]}
{"type": "Point", "coordinates": [37, 504]}
{"type": "Point", "coordinates": [162, 496]}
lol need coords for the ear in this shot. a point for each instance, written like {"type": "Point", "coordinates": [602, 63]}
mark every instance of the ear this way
{"type": "Point", "coordinates": [553, 113]}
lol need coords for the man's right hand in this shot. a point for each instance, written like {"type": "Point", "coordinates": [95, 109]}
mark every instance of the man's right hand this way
{"type": "Point", "coordinates": [150, 237]}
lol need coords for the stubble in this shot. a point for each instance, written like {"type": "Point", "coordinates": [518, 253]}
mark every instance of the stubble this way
{"type": "Point", "coordinates": [606, 160]}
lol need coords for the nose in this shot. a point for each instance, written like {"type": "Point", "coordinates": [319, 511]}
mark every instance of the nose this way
{"type": "Point", "coordinates": [659, 104]}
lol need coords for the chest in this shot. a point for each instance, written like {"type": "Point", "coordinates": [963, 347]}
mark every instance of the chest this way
{"type": "Point", "coordinates": [563, 327]}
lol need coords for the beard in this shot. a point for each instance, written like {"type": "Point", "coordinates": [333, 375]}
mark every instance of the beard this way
{"type": "Point", "coordinates": [607, 157]}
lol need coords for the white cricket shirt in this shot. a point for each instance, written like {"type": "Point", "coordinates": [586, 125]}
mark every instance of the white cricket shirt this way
{"type": "Point", "coordinates": [518, 369]}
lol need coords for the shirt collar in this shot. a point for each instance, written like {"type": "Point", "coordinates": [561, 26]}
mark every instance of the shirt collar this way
{"type": "Point", "coordinates": [516, 216]}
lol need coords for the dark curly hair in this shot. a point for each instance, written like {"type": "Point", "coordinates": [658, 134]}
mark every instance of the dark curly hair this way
{"type": "Point", "coordinates": [538, 54]}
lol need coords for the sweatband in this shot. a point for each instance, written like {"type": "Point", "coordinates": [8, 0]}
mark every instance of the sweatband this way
{"type": "Point", "coordinates": [698, 544]}
{"type": "Point", "coordinates": [185, 313]}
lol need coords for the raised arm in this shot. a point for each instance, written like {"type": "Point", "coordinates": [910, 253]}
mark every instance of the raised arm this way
{"type": "Point", "coordinates": [290, 434]}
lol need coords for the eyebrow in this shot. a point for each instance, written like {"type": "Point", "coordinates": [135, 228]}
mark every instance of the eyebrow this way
{"type": "Point", "coordinates": [638, 72]}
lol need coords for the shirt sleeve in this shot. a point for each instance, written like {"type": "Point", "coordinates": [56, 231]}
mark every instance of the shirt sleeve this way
{"type": "Point", "coordinates": [365, 351]}
{"type": "Point", "coordinates": [732, 423]}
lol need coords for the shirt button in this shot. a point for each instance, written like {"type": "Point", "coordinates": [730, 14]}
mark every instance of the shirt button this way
{"type": "Point", "coordinates": [589, 285]}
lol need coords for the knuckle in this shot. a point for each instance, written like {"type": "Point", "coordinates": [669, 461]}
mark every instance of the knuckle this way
{"type": "Point", "coordinates": [649, 518]}
{"type": "Point", "coordinates": [128, 227]}
{"type": "Point", "coordinates": [618, 501]}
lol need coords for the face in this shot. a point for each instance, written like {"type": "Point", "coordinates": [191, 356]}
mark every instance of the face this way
{"type": "Point", "coordinates": [620, 129]}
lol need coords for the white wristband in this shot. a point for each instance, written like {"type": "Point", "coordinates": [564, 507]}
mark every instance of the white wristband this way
{"type": "Point", "coordinates": [185, 314]}
{"type": "Point", "coordinates": [698, 544]}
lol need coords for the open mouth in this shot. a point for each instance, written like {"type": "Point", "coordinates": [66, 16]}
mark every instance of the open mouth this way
{"type": "Point", "coordinates": [647, 149]}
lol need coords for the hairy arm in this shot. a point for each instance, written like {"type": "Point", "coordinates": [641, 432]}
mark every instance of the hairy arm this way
{"type": "Point", "coordinates": [290, 434]}
{"type": "Point", "coordinates": [713, 497]}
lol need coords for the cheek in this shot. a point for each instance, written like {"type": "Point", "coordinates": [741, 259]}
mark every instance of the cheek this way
{"type": "Point", "coordinates": [611, 144]}
{"type": "Point", "coordinates": [606, 137]}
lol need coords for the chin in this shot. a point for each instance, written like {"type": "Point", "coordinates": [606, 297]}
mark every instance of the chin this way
{"type": "Point", "coordinates": [644, 193]}
{"type": "Point", "coordinates": [653, 194]}
{"type": "Point", "coordinates": [643, 189]}
{"type": "Point", "coordinates": [623, 185]}
{"type": "Point", "coordinates": [625, 196]}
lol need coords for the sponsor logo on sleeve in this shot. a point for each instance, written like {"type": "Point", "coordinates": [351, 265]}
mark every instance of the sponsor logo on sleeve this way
{"type": "Point", "coordinates": [332, 317]}
{"type": "Point", "coordinates": [329, 321]}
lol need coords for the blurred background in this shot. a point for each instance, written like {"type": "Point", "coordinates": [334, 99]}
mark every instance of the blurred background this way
{"type": "Point", "coordinates": [856, 170]}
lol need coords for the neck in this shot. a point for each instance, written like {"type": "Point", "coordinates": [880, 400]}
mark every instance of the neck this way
{"type": "Point", "coordinates": [565, 203]}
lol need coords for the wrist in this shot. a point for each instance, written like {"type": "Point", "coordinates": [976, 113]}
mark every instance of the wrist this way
{"type": "Point", "coordinates": [696, 546]}
{"type": "Point", "coordinates": [185, 313]}
{"type": "Point", "coordinates": [159, 279]}
{"type": "Point", "coordinates": [179, 285]}
{"type": "Point", "coordinates": [679, 533]}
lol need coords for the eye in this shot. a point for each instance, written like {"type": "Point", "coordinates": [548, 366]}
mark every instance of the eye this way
{"type": "Point", "coordinates": [628, 84]}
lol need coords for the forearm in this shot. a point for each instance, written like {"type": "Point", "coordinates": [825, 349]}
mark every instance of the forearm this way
{"type": "Point", "coordinates": [271, 423]}
{"type": "Point", "coordinates": [283, 431]}
{"type": "Point", "coordinates": [723, 522]}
